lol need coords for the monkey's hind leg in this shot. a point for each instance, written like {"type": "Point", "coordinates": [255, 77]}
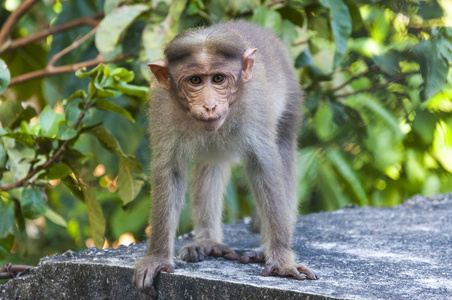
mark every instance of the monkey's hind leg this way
{"type": "Point", "coordinates": [209, 183]}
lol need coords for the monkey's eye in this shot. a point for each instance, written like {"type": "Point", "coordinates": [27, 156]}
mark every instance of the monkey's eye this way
{"type": "Point", "coordinates": [218, 78]}
{"type": "Point", "coordinates": [195, 80]}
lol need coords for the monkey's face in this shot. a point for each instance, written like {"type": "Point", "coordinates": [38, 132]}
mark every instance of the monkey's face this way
{"type": "Point", "coordinates": [208, 97]}
{"type": "Point", "coordinates": [205, 83]}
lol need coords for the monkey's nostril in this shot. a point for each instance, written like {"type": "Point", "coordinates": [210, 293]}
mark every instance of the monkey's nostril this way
{"type": "Point", "coordinates": [210, 108]}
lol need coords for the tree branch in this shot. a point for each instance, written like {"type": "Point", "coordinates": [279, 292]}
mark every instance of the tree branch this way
{"type": "Point", "coordinates": [50, 69]}
{"type": "Point", "coordinates": [92, 21]}
{"type": "Point", "coordinates": [71, 47]}
{"type": "Point", "coordinates": [11, 21]}
{"type": "Point", "coordinates": [65, 69]}
{"type": "Point", "coordinates": [354, 77]}
{"type": "Point", "coordinates": [378, 86]}
{"type": "Point", "coordinates": [300, 42]}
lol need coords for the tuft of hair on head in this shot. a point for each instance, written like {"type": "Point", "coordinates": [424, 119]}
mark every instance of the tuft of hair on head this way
{"type": "Point", "coordinates": [226, 43]}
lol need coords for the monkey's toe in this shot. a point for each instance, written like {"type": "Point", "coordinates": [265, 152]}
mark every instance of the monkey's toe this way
{"type": "Point", "coordinates": [297, 271]}
{"type": "Point", "coordinates": [310, 274]}
{"type": "Point", "coordinates": [253, 255]}
{"type": "Point", "coordinates": [197, 251]}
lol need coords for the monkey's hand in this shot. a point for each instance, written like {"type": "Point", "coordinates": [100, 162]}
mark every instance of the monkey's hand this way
{"type": "Point", "coordinates": [198, 250]}
{"type": "Point", "coordinates": [146, 270]}
{"type": "Point", "coordinates": [298, 271]}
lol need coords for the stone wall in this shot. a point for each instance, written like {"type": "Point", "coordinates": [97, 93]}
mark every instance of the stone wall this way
{"type": "Point", "coordinates": [403, 252]}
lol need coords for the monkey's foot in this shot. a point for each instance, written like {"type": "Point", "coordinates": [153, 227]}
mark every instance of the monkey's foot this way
{"type": "Point", "coordinates": [146, 270]}
{"type": "Point", "coordinates": [255, 255]}
{"type": "Point", "coordinates": [198, 250]}
{"type": "Point", "coordinates": [298, 271]}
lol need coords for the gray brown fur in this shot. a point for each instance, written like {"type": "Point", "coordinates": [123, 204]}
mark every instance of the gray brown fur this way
{"type": "Point", "coordinates": [260, 129]}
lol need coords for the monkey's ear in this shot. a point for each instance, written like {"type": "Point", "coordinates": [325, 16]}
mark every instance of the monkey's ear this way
{"type": "Point", "coordinates": [248, 57]}
{"type": "Point", "coordinates": [160, 70]}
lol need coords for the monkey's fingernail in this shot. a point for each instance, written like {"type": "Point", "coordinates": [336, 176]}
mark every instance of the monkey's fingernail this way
{"type": "Point", "coordinates": [266, 271]}
{"type": "Point", "coordinates": [244, 259]}
{"type": "Point", "coordinates": [232, 256]}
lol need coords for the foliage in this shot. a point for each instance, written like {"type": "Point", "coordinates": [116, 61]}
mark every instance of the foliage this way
{"type": "Point", "coordinates": [377, 125]}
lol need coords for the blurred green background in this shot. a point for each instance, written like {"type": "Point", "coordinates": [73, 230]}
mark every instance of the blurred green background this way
{"type": "Point", "coordinates": [377, 116]}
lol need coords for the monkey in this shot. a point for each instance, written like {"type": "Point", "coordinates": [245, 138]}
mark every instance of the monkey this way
{"type": "Point", "coordinates": [223, 94]}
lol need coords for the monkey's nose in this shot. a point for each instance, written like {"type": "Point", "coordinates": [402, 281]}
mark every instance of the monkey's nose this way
{"type": "Point", "coordinates": [210, 108]}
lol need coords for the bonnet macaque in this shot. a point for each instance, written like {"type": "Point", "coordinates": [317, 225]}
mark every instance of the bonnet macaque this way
{"type": "Point", "coordinates": [224, 93]}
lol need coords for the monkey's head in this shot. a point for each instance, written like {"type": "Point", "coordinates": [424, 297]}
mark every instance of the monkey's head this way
{"type": "Point", "coordinates": [204, 70]}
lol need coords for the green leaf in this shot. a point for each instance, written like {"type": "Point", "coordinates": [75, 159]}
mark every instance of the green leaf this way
{"type": "Point", "coordinates": [323, 122]}
{"type": "Point", "coordinates": [106, 139]}
{"type": "Point", "coordinates": [133, 90]}
{"type": "Point", "coordinates": [66, 133]}
{"type": "Point", "coordinates": [341, 25]}
{"type": "Point", "coordinates": [154, 39]}
{"type": "Point", "coordinates": [33, 204]}
{"type": "Point", "coordinates": [130, 218]}
{"type": "Point", "coordinates": [267, 18]}
{"type": "Point", "coordinates": [425, 125]}
{"type": "Point", "coordinates": [114, 24]}
{"type": "Point", "coordinates": [110, 106]}
{"type": "Point", "coordinates": [129, 184]}
{"type": "Point", "coordinates": [292, 14]}
{"type": "Point", "coordinates": [6, 220]}
{"type": "Point", "coordinates": [348, 174]}
{"type": "Point", "coordinates": [6, 244]}
{"type": "Point", "coordinates": [83, 73]}
{"type": "Point", "coordinates": [56, 171]}
{"type": "Point", "coordinates": [5, 76]}
{"type": "Point", "coordinates": [55, 218]}
{"type": "Point", "coordinates": [371, 103]}
{"type": "Point", "coordinates": [9, 112]}
{"type": "Point", "coordinates": [308, 168]}
{"type": "Point", "coordinates": [72, 185]}
{"type": "Point", "coordinates": [110, 5]}
{"type": "Point", "coordinates": [121, 74]}
{"type": "Point", "coordinates": [96, 217]}
{"type": "Point", "coordinates": [50, 121]}
{"type": "Point", "coordinates": [330, 188]}
{"type": "Point", "coordinates": [434, 66]}
{"type": "Point", "coordinates": [78, 94]}
{"type": "Point", "coordinates": [24, 138]}
{"type": "Point", "coordinates": [430, 9]}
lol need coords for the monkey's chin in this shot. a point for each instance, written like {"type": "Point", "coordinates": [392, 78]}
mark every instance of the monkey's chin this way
{"type": "Point", "coordinates": [211, 125]}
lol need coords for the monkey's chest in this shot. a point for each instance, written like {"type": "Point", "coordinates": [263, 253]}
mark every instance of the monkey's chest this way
{"type": "Point", "coordinates": [218, 154]}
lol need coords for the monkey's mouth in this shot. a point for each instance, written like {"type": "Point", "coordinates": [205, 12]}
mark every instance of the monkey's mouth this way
{"type": "Point", "coordinates": [207, 120]}
{"type": "Point", "coordinates": [209, 124]}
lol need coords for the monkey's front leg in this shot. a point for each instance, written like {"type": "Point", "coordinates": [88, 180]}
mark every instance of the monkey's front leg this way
{"type": "Point", "coordinates": [168, 191]}
{"type": "Point", "coordinates": [265, 172]}
{"type": "Point", "coordinates": [209, 182]}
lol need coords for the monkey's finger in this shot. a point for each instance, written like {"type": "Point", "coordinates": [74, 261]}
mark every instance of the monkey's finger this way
{"type": "Point", "coordinates": [207, 250]}
{"type": "Point", "coordinates": [267, 271]}
{"type": "Point", "coordinates": [244, 259]}
{"type": "Point", "coordinates": [231, 255]}
{"type": "Point", "coordinates": [309, 273]}
{"type": "Point", "coordinates": [201, 253]}
{"type": "Point", "coordinates": [250, 255]}
{"type": "Point", "coordinates": [260, 257]}
{"type": "Point", "coordinates": [192, 255]}
{"type": "Point", "coordinates": [297, 275]}
{"type": "Point", "coordinates": [216, 252]}
{"type": "Point", "coordinates": [147, 284]}
{"type": "Point", "coordinates": [167, 269]}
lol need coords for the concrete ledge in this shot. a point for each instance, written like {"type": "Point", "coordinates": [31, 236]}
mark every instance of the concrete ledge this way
{"type": "Point", "coordinates": [403, 252]}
